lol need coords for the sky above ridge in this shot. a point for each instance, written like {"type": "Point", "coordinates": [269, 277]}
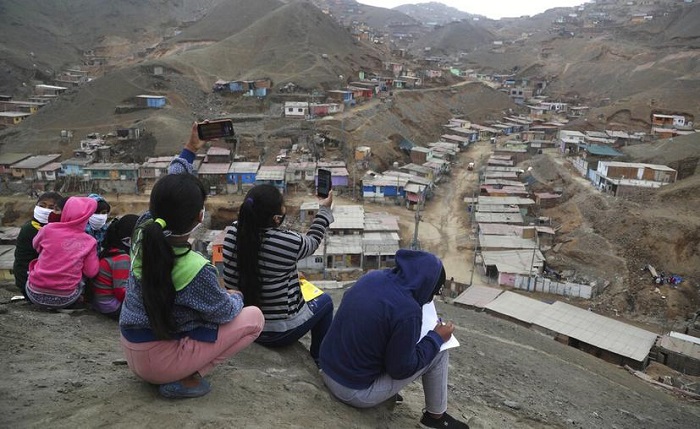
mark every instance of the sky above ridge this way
{"type": "Point", "coordinates": [493, 9]}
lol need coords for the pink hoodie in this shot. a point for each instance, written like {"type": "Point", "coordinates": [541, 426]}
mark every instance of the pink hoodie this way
{"type": "Point", "coordinates": [66, 251]}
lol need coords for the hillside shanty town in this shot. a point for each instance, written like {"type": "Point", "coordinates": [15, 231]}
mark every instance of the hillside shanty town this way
{"type": "Point", "coordinates": [550, 162]}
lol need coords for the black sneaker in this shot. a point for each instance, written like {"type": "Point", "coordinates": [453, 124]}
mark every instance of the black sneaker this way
{"type": "Point", "coordinates": [398, 399]}
{"type": "Point", "coordinates": [445, 422]}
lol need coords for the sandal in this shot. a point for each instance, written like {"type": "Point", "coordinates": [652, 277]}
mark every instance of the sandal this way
{"type": "Point", "coordinates": [177, 390]}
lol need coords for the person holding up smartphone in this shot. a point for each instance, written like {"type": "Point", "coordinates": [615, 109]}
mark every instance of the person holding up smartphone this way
{"type": "Point", "coordinates": [260, 260]}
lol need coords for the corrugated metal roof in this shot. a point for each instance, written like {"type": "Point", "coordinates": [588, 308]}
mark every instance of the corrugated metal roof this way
{"type": "Point", "coordinates": [271, 172]}
{"type": "Point", "coordinates": [14, 114]}
{"type": "Point", "coordinates": [215, 150]}
{"type": "Point", "coordinates": [13, 157]}
{"type": "Point", "coordinates": [477, 296]}
{"type": "Point", "coordinates": [517, 201]}
{"type": "Point", "coordinates": [454, 137]}
{"type": "Point", "coordinates": [505, 242]}
{"type": "Point", "coordinates": [213, 168]}
{"type": "Point", "coordinates": [348, 217]}
{"type": "Point", "coordinates": [376, 222]}
{"type": "Point", "coordinates": [342, 245]}
{"type": "Point", "coordinates": [602, 150]}
{"type": "Point", "coordinates": [244, 167]}
{"type": "Point", "coordinates": [500, 229]}
{"type": "Point", "coordinates": [600, 331]}
{"type": "Point", "coordinates": [517, 306]}
{"type": "Point", "coordinates": [380, 243]}
{"type": "Point", "coordinates": [680, 345]}
{"type": "Point", "coordinates": [36, 161]}
{"type": "Point", "coordinates": [52, 166]}
{"type": "Point", "coordinates": [112, 166]}
{"type": "Point", "coordinates": [513, 261]}
{"type": "Point", "coordinates": [496, 208]}
{"type": "Point", "coordinates": [495, 168]}
{"type": "Point", "coordinates": [500, 175]}
{"type": "Point", "coordinates": [515, 218]}
{"type": "Point", "coordinates": [657, 167]}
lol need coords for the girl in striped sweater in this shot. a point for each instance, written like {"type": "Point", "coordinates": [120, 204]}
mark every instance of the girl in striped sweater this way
{"type": "Point", "coordinates": [109, 287]}
{"type": "Point", "coordinates": [260, 260]}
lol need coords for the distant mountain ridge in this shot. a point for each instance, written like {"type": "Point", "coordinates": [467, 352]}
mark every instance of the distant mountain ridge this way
{"type": "Point", "coordinates": [435, 13]}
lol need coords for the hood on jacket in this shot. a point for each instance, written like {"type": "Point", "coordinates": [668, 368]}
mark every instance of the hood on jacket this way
{"type": "Point", "coordinates": [418, 272]}
{"type": "Point", "coordinates": [77, 211]}
{"type": "Point", "coordinates": [102, 204]}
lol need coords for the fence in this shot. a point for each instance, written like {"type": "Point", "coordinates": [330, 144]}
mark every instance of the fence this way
{"type": "Point", "coordinates": [545, 285]}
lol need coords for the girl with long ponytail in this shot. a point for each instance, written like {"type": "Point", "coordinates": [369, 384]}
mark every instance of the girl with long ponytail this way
{"type": "Point", "coordinates": [176, 321]}
{"type": "Point", "coordinates": [260, 260]}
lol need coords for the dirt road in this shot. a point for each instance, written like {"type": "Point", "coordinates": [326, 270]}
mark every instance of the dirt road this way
{"type": "Point", "coordinates": [446, 229]}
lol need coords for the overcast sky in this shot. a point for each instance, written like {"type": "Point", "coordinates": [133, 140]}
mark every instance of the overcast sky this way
{"type": "Point", "coordinates": [493, 9]}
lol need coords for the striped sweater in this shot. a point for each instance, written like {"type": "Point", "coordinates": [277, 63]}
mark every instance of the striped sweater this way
{"type": "Point", "coordinates": [109, 286]}
{"type": "Point", "coordinates": [281, 300]}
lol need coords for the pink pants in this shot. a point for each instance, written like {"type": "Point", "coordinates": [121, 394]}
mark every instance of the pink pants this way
{"type": "Point", "coordinates": [161, 362]}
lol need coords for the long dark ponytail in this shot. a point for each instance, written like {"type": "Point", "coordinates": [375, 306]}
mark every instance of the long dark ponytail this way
{"type": "Point", "coordinates": [257, 212]}
{"type": "Point", "coordinates": [176, 201]}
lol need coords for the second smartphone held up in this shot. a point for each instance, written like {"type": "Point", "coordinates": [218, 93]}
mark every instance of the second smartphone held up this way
{"type": "Point", "coordinates": [324, 183]}
{"type": "Point", "coordinates": [215, 129]}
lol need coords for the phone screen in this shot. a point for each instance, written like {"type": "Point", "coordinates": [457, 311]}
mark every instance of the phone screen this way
{"type": "Point", "coordinates": [324, 183]}
{"type": "Point", "coordinates": [215, 129]}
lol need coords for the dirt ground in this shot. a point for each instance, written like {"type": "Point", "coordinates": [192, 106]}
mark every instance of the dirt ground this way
{"type": "Point", "coordinates": [66, 369]}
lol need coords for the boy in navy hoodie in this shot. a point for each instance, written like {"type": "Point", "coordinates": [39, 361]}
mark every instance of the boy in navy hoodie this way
{"type": "Point", "coordinates": [373, 348]}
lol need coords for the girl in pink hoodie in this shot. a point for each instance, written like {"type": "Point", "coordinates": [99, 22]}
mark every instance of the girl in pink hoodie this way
{"type": "Point", "coordinates": [66, 255]}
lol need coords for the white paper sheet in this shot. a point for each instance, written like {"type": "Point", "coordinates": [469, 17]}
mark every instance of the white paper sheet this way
{"type": "Point", "coordinates": [430, 319]}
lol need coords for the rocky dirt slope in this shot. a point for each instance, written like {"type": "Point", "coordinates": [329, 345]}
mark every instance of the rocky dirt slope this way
{"type": "Point", "coordinates": [65, 370]}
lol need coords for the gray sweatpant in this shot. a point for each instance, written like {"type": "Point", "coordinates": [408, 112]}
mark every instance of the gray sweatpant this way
{"type": "Point", "coordinates": [434, 377]}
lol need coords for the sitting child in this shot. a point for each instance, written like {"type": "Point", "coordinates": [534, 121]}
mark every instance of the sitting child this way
{"type": "Point", "coordinates": [97, 224]}
{"type": "Point", "coordinates": [66, 254]}
{"type": "Point", "coordinates": [46, 206]}
{"type": "Point", "coordinates": [109, 286]}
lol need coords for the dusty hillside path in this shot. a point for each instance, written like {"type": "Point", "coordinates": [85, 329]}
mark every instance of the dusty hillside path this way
{"type": "Point", "coordinates": [445, 229]}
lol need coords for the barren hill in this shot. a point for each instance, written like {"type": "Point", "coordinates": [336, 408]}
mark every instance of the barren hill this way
{"type": "Point", "coordinates": [224, 20]}
{"type": "Point", "coordinates": [40, 38]}
{"type": "Point", "coordinates": [433, 13]}
{"type": "Point", "coordinates": [287, 44]}
{"type": "Point", "coordinates": [455, 37]}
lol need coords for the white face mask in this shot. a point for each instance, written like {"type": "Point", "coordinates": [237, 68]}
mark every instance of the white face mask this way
{"type": "Point", "coordinates": [97, 221]}
{"type": "Point", "coordinates": [193, 229]}
{"type": "Point", "coordinates": [41, 214]}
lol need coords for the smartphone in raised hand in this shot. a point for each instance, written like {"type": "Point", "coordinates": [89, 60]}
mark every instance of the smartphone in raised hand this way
{"type": "Point", "coordinates": [211, 130]}
{"type": "Point", "coordinates": [324, 183]}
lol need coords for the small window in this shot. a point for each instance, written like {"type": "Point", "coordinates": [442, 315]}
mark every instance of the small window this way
{"type": "Point", "coordinates": [318, 259]}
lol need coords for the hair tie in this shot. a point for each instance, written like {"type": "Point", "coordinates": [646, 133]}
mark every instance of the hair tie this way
{"type": "Point", "coordinates": [161, 222]}
{"type": "Point", "coordinates": [249, 200]}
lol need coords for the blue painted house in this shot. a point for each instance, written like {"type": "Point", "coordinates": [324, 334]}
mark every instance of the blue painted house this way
{"type": "Point", "coordinates": [74, 166]}
{"type": "Point", "coordinates": [241, 176]}
{"type": "Point", "coordinates": [272, 175]}
{"type": "Point", "coordinates": [151, 101]}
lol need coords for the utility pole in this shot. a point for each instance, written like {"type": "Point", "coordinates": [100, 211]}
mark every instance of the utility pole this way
{"type": "Point", "coordinates": [325, 254]}
{"type": "Point", "coordinates": [415, 244]}
{"type": "Point", "coordinates": [476, 239]}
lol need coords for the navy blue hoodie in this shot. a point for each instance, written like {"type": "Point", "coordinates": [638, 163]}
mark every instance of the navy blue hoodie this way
{"type": "Point", "coordinates": [376, 329]}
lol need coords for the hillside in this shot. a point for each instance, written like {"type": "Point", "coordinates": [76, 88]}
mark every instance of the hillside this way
{"type": "Point", "coordinates": [286, 44]}
{"type": "Point", "coordinates": [40, 38]}
{"type": "Point", "coordinates": [462, 36]}
{"type": "Point", "coordinates": [224, 20]}
{"type": "Point", "coordinates": [433, 13]}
